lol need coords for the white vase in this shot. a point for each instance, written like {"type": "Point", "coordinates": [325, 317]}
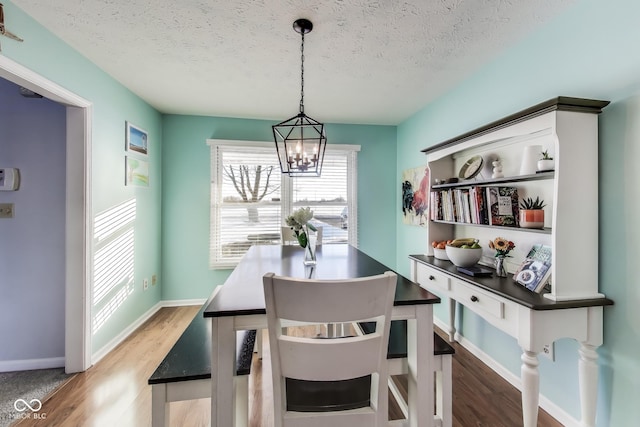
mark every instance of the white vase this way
{"type": "Point", "coordinates": [530, 158]}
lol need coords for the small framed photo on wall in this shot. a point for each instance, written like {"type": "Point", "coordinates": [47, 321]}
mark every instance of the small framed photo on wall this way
{"type": "Point", "coordinates": [137, 172]}
{"type": "Point", "coordinates": [137, 139]}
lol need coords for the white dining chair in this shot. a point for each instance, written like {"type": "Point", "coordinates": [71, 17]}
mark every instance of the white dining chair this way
{"type": "Point", "coordinates": [289, 238]}
{"type": "Point", "coordinates": [337, 382]}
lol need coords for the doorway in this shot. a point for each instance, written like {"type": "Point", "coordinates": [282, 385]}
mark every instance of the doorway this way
{"type": "Point", "coordinates": [78, 210]}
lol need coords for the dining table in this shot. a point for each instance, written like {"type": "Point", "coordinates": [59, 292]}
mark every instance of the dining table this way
{"type": "Point", "coordinates": [239, 305]}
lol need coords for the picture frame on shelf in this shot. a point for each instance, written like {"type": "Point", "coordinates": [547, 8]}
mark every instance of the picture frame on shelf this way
{"type": "Point", "coordinates": [137, 139]}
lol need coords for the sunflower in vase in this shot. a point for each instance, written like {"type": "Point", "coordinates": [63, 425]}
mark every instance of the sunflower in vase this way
{"type": "Point", "coordinates": [502, 247]}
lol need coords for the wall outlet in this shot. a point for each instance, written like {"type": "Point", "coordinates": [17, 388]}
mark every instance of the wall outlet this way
{"type": "Point", "coordinates": [145, 283]}
{"type": "Point", "coordinates": [548, 351]}
{"type": "Point", "coordinates": [154, 280]}
{"type": "Point", "coordinates": [6, 210]}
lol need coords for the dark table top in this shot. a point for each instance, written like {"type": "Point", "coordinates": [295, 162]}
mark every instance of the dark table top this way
{"type": "Point", "coordinates": [507, 288]}
{"type": "Point", "coordinates": [243, 294]}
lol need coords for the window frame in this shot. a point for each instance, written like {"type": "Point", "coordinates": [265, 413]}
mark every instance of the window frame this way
{"type": "Point", "coordinates": [216, 260]}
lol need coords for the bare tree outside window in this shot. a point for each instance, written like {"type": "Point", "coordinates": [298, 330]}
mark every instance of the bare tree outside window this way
{"type": "Point", "coordinates": [252, 183]}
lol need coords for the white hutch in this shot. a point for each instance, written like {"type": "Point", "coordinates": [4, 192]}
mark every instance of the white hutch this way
{"type": "Point", "coordinates": [572, 306]}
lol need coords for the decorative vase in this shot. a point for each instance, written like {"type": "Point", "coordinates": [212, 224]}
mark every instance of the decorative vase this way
{"type": "Point", "coordinates": [310, 249]}
{"type": "Point", "coordinates": [531, 218]}
{"type": "Point", "coordinates": [499, 263]}
{"type": "Point", "coordinates": [530, 158]}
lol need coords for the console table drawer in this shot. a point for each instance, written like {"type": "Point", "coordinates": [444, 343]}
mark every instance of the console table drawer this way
{"type": "Point", "coordinates": [432, 279]}
{"type": "Point", "coordinates": [478, 300]}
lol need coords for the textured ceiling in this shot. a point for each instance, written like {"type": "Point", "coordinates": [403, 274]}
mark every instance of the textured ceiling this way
{"type": "Point", "coordinates": [365, 61]}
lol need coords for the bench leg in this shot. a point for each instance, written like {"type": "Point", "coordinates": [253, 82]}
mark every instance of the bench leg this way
{"type": "Point", "coordinates": [444, 391]}
{"type": "Point", "coordinates": [241, 387]}
{"type": "Point", "coordinates": [159, 406]}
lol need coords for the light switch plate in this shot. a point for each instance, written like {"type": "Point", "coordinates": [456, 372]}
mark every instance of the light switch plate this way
{"type": "Point", "coordinates": [6, 210]}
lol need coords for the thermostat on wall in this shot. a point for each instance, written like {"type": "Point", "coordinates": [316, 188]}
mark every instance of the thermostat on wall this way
{"type": "Point", "coordinates": [9, 179]}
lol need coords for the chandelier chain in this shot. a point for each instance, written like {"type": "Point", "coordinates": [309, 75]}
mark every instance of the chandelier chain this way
{"type": "Point", "coordinates": [302, 75]}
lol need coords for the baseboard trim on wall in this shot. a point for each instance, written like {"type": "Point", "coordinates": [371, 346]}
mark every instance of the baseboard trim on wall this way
{"type": "Point", "coordinates": [31, 364]}
{"type": "Point", "coordinates": [554, 410]}
{"type": "Point", "coordinates": [107, 348]}
{"type": "Point", "coordinates": [182, 302]}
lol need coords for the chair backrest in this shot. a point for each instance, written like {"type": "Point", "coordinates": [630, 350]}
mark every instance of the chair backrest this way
{"type": "Point", "coordinates": [308, 301]}
{"type": "Point", "coordinates": [288, 237]}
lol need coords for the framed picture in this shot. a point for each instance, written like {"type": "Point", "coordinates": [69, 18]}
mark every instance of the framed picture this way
{"type": "Point", "coordinates": [137, 139]}
{"type": "Point", "coordinates": [137, 172]}
{"type": "Point", "coordinates": [415, 196]}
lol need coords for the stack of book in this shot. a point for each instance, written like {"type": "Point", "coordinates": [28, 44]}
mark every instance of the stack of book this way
{"type": "Point", "coordinates": [476, 205]}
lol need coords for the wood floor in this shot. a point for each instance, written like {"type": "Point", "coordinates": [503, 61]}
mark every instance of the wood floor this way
{"type": "Point", "coordinates": [114, 392]}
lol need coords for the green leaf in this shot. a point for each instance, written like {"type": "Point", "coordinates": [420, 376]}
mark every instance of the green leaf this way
{"type": "Point", "coordinates": [302, 239]}
{"type": "Point", "coordinates": [312, 227]}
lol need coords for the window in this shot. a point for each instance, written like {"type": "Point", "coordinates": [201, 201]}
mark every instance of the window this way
{"type": "Point", "coordinates": [250, 198]}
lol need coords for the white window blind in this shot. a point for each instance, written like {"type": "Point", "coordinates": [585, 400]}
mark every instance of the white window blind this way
{"type": "Point", "coordinates": [250, 198]}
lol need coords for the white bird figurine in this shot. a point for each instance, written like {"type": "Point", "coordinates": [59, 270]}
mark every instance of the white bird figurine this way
{"type": "Point", "coordinates": [3, 29]}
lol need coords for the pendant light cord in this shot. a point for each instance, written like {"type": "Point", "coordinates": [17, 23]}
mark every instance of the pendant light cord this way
{"type": "Point", "coordinates": [302, 75]}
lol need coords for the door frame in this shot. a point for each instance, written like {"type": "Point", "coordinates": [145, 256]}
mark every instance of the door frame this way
{"type": "Point", "coordinates": [78, 230]}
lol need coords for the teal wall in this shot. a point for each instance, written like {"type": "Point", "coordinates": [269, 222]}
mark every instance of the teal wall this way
{"type": "Point", "coordinates": [113, 104]}
{"type": "Point", "coordinates": [591, 52]}
{"type": "Point", "coordinates": [186, 177]}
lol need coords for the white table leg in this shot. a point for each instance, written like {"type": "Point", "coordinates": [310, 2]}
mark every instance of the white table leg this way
{"type": "Point", "coordinates": [223, 341]}
{"type": "Point", "coordinates": [530, 388]}
{"type": "Point", "coordinates": [588, 378]}
{"type": "Point", "coordinates": [160, 416]}
{"type": "Point", "coordinates": [421, 367]}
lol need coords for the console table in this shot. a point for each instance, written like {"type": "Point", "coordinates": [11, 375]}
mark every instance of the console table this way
{"type": "Point", "coordinates": [530, 318]}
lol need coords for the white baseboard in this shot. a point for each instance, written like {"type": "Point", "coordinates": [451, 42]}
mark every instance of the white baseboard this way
{"type": "Point", "coordinates": [31, 364]}
{"type": "Point", "coordinates": [182, 302]}
{"type": "Point", "coordinates": [98, 355]}
{"type": "Point", "coordinates": [552, 409]}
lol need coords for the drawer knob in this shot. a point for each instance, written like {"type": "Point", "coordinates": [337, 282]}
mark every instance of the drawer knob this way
{"type": "Point", "coordinates": [432, 278]}
{"type": "Point", "coordinates": [474, 298]}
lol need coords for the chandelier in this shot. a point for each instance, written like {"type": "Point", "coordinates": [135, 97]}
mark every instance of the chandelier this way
{"type": "Point", "coordinates": [300, 140]}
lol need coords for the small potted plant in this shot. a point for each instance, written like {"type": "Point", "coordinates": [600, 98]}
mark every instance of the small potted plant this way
{"type": "Point", "coordinates": [546, 163]}
{"type": "Point", "coordinates": [532, 213]}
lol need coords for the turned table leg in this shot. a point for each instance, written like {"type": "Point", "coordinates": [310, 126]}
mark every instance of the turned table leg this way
{"type": "Point", "coordinates": [530, 388]}
{"type": "Point", "coordinates": [588, 377]}
{"type": "Point", "coordinates": [452, 320]}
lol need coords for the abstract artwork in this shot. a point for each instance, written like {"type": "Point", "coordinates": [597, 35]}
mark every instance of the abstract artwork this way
{"type": "Point", "coordinates": [415, 196]}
